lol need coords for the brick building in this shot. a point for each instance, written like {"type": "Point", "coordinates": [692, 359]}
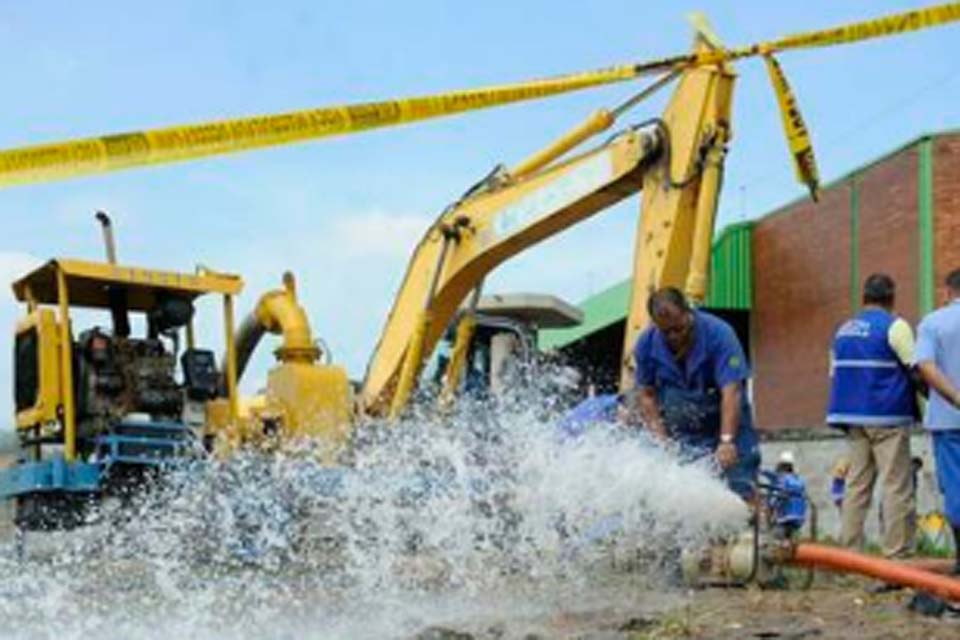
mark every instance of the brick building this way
{"type": "Point", "coordinates": [788, 278]}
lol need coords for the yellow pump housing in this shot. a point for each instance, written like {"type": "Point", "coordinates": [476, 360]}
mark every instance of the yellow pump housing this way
{"type": "Point", "coordinates": [311, 400]}
{"type": "Point", "coordinates": [303, 398]}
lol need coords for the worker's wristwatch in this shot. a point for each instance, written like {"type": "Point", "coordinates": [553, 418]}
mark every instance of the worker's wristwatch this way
{"type": "Point", "coordinates": [726, 438]}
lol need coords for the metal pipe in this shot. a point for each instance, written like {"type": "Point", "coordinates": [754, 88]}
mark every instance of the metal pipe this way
{"type": "Point", "coordinates": [117, 296]}
{"type": "Point", "coordinates": [709, 193]}
{"type": "Point", "coordinates": [66, 370]}
{"type": "Point", "coordinates": [755, 549]}
{"type": "Point", "coordinates": [280, 313]}
{"type": "Point", "coordinates": [596, 122]}
{"type": "Point", "coordinates": [639, 97]}
{"type": "Point", "coordinates": [30, 297]}
{"type": "Point", "coordinates": [231, 364]}
{"type": "Point", "coordinates": [466, 327]}
{"type": "Point", "coordinates": [108, 241]}
{"type": "Point", "coordinates": [814, 536]}
{"type": "Point", "coordinates": [276, 312]}
{"type": "Point", "coordinates": [599, 120]}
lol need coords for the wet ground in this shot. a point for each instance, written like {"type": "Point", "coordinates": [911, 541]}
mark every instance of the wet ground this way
{"type": "Point", "coordinates": [494, 530]}
{"type": "Point", "coordinates": [839, 611]}
{"type": "Point", "coordinates": [613, 603]}
{"type": "Point", "coordinates": [820, 613]}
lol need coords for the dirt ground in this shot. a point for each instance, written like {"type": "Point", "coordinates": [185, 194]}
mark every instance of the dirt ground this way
{"type": "Point", "coordinates": [841, 611]}
{"type": "Point", "coordinates": [819, 613]}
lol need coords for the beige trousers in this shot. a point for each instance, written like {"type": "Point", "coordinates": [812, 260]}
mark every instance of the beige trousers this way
{"type": "Point", "coordinates": [882, 452]}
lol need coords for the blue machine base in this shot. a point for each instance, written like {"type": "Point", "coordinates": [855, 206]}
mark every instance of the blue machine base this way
{"type": "Point", "coordinates": [128, 444]}
{"type": "Point", "coordinates": [48, 476]}
{"type": "Point", "coordinates": [148, 444]}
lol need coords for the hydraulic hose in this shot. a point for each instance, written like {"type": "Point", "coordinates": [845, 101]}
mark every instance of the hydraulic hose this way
{"type": "Point", "coordinates": [248, 336]}
{"type": "Point", "coordinates": [891, 571]}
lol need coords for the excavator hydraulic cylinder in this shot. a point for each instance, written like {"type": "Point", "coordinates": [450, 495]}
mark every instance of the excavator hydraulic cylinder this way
{"type": "Point", "coordinates": [458, 358]}
{"type": "Point", "coordinates": [599, 120]}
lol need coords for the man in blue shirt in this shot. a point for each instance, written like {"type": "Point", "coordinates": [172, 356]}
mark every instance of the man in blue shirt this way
{"type": "Point", "coordinates": [690, 374]}
{"type": "Point", "coordinates": [938, 361]}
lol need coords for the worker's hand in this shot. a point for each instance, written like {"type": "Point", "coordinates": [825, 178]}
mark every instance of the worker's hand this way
{"type": "Point", "coordinates": [726, 455]}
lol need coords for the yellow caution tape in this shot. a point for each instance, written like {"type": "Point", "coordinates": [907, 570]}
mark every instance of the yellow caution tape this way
{"type": "Point", "coordinates": [891, 25]}
{"type": "Point", "coordinates": [798, 138]}
{"type": "Point", "coordinates": [880, 27]}
{"type": "Point", "coordinates": [172, 144]}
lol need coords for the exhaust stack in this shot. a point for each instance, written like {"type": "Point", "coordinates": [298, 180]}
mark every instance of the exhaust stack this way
{"type": "Point", "coordinates": [107, 226]}
{"type": "Point", "coordinates": [119, 310]}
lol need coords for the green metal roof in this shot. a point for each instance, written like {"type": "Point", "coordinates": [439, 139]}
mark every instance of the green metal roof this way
{"type": "Point", "coordinates": [731, 287]}
{"type": "Point", "coordinates": [599, 312]}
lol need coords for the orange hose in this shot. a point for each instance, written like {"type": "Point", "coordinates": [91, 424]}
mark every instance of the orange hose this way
{"type": "Point", "coordinates": [817, 555]}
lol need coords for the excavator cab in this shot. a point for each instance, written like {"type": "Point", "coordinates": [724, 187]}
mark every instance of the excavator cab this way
{"type": "Point", "coordinates": [503, 348]}
{"type": "Point", "coordinates": [99, 407]}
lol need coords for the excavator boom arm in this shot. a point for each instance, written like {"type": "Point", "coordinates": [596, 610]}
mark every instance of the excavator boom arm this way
{"type": "Point", "coordinates": [471, 239]}
{"type": "Point", "coordinates": [668, 160]}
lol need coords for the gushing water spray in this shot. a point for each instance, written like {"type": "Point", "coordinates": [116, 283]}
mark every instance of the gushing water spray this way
{"type": "Point", "coordinates": [488, 514]}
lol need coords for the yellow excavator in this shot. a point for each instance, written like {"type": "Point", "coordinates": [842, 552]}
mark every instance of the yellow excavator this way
{"type": "Point", "coordinates": [676, 160]}
{"type": "Point", "coordinates": [99, 409]}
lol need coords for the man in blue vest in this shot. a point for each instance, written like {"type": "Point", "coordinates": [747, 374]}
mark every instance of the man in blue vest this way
{"type": "Point", "coordinates": [690, 374]}
{"type": "Point", "coordinates": [938, 360]}
{"type": "Point", "coordinates": [872, 399]}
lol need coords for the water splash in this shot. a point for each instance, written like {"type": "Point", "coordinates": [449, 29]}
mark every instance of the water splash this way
{"type": "Point", "coordinates": [486, 515]}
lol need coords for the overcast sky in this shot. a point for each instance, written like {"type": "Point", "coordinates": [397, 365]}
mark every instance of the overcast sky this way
{"type": "Point", "coordinates": [345, 213]}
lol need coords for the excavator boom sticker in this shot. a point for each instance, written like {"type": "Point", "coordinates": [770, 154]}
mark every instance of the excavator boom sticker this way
{"type": "Point", "coordinates": [562, 192]}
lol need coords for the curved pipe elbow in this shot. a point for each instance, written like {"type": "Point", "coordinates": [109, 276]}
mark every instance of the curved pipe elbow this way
{"type": "Point", "coordinates": [277, 312]}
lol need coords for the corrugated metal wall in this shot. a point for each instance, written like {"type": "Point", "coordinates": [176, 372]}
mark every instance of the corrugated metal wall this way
{"type": "Point", "coordinates": [731, 287]}
{"type": "Point", "coordinates": [731, 269]}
